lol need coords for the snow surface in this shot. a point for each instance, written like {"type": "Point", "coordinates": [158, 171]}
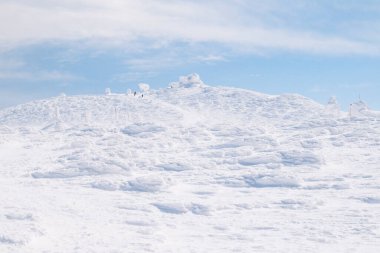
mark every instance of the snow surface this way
{"type": "Point", "coordinates": [191, 168]}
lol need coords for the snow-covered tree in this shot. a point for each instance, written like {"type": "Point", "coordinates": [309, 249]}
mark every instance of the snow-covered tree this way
{"type": "Point", "coordinates": [143, 87]}
{"type": "Point", "coordinates": [332, 101]}
{"type": "Point", "coordinates": [358, 109]}
{"type": "Point", "coordinates": [108, 91]}
{"type": "Point", "coordinates": [332, 107]}
{"type": "Point", "coordinates": [189, 81]}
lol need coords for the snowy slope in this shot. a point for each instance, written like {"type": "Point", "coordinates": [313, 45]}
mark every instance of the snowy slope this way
{"type": "Point", "coordinates": [191, 168]}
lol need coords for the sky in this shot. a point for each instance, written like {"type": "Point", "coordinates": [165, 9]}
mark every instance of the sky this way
{"type": "Point", "coordinates": [317, 48]}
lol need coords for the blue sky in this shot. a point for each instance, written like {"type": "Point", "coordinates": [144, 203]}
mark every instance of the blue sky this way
{"type": "Point", "coordinates": [317, 48]}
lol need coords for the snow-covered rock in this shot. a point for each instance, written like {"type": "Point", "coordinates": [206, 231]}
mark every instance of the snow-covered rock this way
{"type": "Point", "coordinates": [144, 87]}
{"type": "Point", "coordinates": [190, 81]}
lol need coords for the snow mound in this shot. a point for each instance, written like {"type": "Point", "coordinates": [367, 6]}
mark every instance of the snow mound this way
{"type": "Point", "coordinates": [190, 81]}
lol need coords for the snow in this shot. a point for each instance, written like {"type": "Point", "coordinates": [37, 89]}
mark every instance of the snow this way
{"type": "Point", "coordinates": [189, 168]}
{"type": "Point", "coordinates": [144, 87]}
{"type": "Point", "coordinates": [145, 184]}
{"type": "Point", "coordinates": [358, 109]}
{"type": "Point", "coordinates": [189, 81]}
{"type": "Point", "coordinates": [271, 181]}
{"type": "Point", "coordinates": [142, 128]}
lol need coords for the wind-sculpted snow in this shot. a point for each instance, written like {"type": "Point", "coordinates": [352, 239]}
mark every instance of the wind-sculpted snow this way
{"type": "Point", "coordinates": [271, 181]}
{"type": "Point", "coordinates": [145, 184]}
{"type": "Point", "coordinates": [191, 168]}
{"type": "Point", "coordinates": [141, 129]}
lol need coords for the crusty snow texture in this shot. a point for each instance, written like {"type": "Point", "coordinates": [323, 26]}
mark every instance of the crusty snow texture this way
{"type": "Point", "coordinates": [190, 168]}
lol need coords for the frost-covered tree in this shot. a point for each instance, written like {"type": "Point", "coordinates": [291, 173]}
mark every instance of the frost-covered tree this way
{"type": "Point", "coordinates": [332, 101]}
{"type": "Point", "coordinates": [332, 106]}
{"type": "Point", "coordinates": [358, 109]}
{"type": "Point", "coordinates": [189, 81]}
{"type": "Point", "coordinates": [108, 91]}
{"type": "Point", "coordinates": [144, 87]}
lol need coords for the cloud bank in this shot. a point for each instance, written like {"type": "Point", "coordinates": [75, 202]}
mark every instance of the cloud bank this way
{"type": "Point", "coordinates": [247, 26]}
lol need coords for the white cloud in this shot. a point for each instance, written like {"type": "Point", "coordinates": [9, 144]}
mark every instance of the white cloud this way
{"type": "Point", "coordinates": [129, 77]}
{"type": "Point", "coordinates": [253, 26]}
{"type": "Point", "coordinates": [152, 63]}
{"type": "Point", "coordinates": [37, 75]}
{"type": "Point", "coordinates": [210, 58]}
{"type": "Point", "coordinates": [10, 64]}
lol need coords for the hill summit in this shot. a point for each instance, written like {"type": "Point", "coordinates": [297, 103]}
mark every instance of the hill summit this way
{"type": "Point", "coordinates": [232, 168]}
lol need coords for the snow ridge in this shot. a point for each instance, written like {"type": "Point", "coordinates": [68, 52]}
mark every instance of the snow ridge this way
{"type": "Point", "coordinates": [189, 168]}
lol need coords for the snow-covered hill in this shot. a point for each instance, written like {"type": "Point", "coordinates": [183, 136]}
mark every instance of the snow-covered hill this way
{"type": "Point", "coordinates": [191, 168]}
